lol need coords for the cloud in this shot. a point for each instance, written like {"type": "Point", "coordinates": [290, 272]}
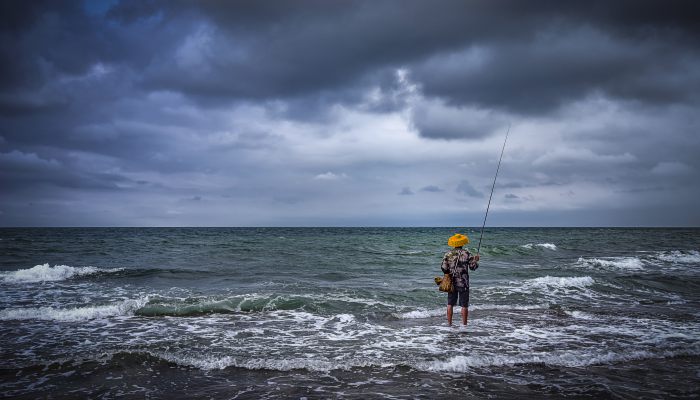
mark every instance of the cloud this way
{"type": "Point", "coordinates": [461, 54]}
{"type": "Point", "coordinates": [434, 119]}
{"type": "Point", "coordinates": [582, 156]}
{"type": "Point", "coordinates": [568, 57]}
{"type": "Point", "coordinates": [431, 189]}
{"type": "Point", "coordinates": [256, 108]}
{"type": "Point", "coordinates": [28, 173]}
{"type": "Point", "coordinates": [330, 176]}
{"type": "Point", "coordinates": [19, 161]}
{"type": "Point", "coordinates": [666, 168]}
{"type": "Point", "coordinates": [406, 191]}
{"type": "Point", "coordinates": [466, 188]}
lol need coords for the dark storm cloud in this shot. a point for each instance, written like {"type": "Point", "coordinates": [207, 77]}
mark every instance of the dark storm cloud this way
{"type": "Point", "coordinates": [523, 57]}
{"type": "Point", "coordinates": [641, 51]}
{"type": "Point", "coordinates": [440, 122]}
{"type": "Point", "coordinates": [526, 57]}
{"type": "Point", "coordinates": [263, 50]}
{"type": "Point", "coordinates": [45, 40]}
{"type": "Point", "coordinates": [19, 171]}
{"type": "Point", "coordinates": [537, 76]}
{"type": "Point", "coordinates": [121, 95]}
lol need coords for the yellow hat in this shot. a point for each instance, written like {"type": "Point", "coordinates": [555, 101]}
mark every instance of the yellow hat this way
{"type": "Point", "coordinates": [458, 240]}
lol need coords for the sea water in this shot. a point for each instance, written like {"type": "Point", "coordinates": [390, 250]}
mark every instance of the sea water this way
{"type": "Point", "coordinates": [347, 313]}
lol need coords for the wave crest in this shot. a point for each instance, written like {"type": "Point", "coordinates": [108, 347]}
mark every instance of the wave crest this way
{"type": "Point", "coordinates": [567, 359]}
{"type": "Point", "coordinates": [680, 257]}
{"type": "Point", "coordinates": [626, 263]}
{"type": "Point", "coordinates": [124, 308]}
{"type": "Point", "coordinates": [561, 282]}
{"type": "Point", "coordinates": [46, 273]}
{"type": "Point", "coordinates": [548, 246]}
{"type": "Point", "coordinates": [460, 363]}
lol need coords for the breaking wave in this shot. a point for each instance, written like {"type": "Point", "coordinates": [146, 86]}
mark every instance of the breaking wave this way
{"type": "Point", "coordinates": [287, 364]}
{"type": "Point", "coordinates": [46, 273]}
{"type": "Point", "coordinates": [576, 358]}
{"type": "Point", "coordinates": [124, 308]}
{"type": "Point", "coordinates": [459, 363]}
{"type": "Point", "coordinates": [548, 246]}
{"type": "Point", "coordinates": [560, 282]}
{"type": "Point", "coordinates": [680, 257]}
{"type": "Point", "coordinates": [235, 304]}
{"type": "Point", "coordinates": [154, 305]}
{"type": "Point", "coordinates": [624, 263]}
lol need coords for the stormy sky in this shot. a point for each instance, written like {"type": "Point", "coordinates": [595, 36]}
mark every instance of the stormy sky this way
{"type": "Point", "coordinates": [349, 113]}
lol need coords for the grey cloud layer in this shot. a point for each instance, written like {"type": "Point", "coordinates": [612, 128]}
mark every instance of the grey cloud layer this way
{"type": "Point", "coordinates": [524, 57]}
{"type": "Point", "coordinates": [197, 100]}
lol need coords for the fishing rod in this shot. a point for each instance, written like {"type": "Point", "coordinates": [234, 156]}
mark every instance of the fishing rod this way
{"type": "Point", "coordinates": [492, 187]}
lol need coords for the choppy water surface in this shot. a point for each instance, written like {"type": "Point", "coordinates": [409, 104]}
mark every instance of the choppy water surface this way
{"type": "Point", "coordinates": [321, 312]}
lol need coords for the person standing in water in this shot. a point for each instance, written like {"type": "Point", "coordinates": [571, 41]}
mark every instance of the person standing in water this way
{"type": "Point", "coordinates": [457, 262]}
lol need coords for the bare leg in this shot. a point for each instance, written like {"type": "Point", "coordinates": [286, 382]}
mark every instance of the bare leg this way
{"type": "Point", "coordinates": [465, 314]}
{"type": "Point", "coordinates": [449, 315]}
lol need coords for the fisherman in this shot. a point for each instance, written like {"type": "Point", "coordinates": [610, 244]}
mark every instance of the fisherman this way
{"type": "Point", "coordinates": [455, 262]}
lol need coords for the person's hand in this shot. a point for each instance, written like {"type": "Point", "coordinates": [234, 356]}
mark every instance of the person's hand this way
{"type": "Point", "coordinates": [476, 258]}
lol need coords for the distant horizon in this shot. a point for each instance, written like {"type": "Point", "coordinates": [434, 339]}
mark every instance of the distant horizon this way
{"type": "Point", "coordinates": [358, 227]}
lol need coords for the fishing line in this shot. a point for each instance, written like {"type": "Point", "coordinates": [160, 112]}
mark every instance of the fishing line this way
{"type": "Point", "coordinates": [492, 187]}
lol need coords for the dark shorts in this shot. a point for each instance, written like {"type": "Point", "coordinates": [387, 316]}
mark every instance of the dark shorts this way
{"type": "Point", "coordinates": [463, 298]}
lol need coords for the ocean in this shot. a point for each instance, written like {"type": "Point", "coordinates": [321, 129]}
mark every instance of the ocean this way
{"type": "Point", "coordinates": [238, 313]}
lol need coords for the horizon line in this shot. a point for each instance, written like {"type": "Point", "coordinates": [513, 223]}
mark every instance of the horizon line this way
{"type": "Point", "coordinates": [352, 226]}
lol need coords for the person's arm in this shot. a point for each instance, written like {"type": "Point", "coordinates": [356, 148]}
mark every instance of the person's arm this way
{"type": "Point", "coordinates": [474, 262]}
{"type": "Point", "coordinates": [445, 267]}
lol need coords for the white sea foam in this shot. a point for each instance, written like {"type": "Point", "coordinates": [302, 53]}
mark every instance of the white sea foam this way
{"type": "Point", "coordinates": [681, 257]}
{"type": "Point", "coordinates": [548, 246]}
{"type": "Point", "coordinates": [414, 251]}
{"type": "Point", "coordinates": [625, 263]}
{"type": "Point", "coordinates": [560, 282]}
{"type": "Point", "coordinates": [509, 306]}
{"type": "Point", "coordinates": [582, 315]}
{"type": "Point", "coordinates": [420, 314]}
{"type": "Point", "coordinates": [46, 273]}
{"type": "Point", "coordinates": [460, 363]}
{"type": "Point", "coordinates": [123, 308]}
{"type": "Point", "coordinates": [424, 313]}
{"type": "Point", "coordinates": [575, 358]}
{"type": "Point", "coordinates": [220, 362]}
